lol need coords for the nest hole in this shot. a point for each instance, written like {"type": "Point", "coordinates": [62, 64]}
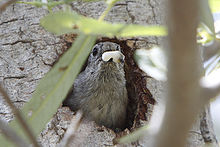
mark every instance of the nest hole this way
{"type": "Point", "coordinates": [138, 94]}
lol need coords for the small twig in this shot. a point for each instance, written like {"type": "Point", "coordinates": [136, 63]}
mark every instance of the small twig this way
{"type": "Point", "coordinates": [210, 92]}
{"type": "Point", "coordinates": [105, 12]}
{"type": "Point", "coordinates": [134, 136]}
{"type": "Point", "coordinates": [10, 134]}
{"type": "Point", "coordinates": [5, 3]}
{"type": "Point", "coordinates": [70, 133]}
{"type": "Point", "coordinates": [211, 49]}
{"type": "Point", "coordinates": [109, 6]}
{"type": "Point", "coordinates": [20, 118]}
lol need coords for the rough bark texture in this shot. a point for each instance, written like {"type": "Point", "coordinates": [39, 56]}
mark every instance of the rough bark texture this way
{"type": "Point", "coordinates": [27, 52]}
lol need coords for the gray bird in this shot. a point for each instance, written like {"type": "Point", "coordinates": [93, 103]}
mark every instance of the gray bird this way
{"type": "Point", "coordinates": [100, 91]}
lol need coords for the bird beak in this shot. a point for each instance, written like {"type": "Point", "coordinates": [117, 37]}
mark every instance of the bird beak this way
{"type": "Point", "coordinates": [115, 56]}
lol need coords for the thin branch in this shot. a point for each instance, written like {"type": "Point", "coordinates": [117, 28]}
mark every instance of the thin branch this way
{"type": "Point", "coordinates": [70, 133]}
{"type": "Point", "coordinates": [5, 3]}
{"type": "Point", "coordinates": [209, 92]}
{"type": "Point", "coordinates": [211, 49]}
{"type": "Point", "coordinates": [110, 4]}
{"type": "Point", "coordinates": [10, 134]}
{"type": "Point", "coordinates": [19, 117]}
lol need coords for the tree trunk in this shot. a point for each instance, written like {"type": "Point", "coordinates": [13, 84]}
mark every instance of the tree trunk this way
{"type": "Point", "coordinates": [27, 52]}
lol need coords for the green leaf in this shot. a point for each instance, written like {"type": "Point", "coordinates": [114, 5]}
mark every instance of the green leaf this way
{"type": "Point", "coordinates": [206, 16]}
{"type": "Point", "coordinates": [54, 87]}
{"type": "Point", "coordinates": [60, 23]}
{"type": "Point", "coordinates": [204, 36]}
{"type": "Point", "coordinates": [68, 22]}
{"type": "Point", "coordinates": [51, 3]}
{"type": "Point", "coordinates": [214, 5]}
{"type": "Point", "coordinates": [34, 3]}
{"type": "Point", "coordinates": [153, 62]}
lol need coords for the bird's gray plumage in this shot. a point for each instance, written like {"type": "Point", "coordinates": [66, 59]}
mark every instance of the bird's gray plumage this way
{"type": "Point", "coordinates": [99, 91]}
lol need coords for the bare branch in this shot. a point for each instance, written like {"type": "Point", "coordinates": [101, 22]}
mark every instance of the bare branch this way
{"type": "Point", "coordinates": [10, 134]}
{"type": "Point", "coordinates": [211, 49]}
{"type": "Point", "coordinates": [70, 133]}
{"type": "Point", "coordinates": [20, 118]}
{"type": "Point", "coordinates": [182, 104]}
{"type": "Point", "coordinates": [5, 3]}
{"type": "Point", "coordinates": [210, 92]}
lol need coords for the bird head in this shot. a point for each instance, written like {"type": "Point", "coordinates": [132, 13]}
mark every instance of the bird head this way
{"type": "Point", "coordinates": [106, 55]}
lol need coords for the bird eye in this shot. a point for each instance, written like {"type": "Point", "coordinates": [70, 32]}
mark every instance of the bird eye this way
{"type": "Point", "coordinates": [95, 51]}
{"type": "Point", "coordinates": [117, 48]}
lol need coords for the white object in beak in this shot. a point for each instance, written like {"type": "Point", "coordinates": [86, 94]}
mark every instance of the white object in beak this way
{"type": "Point", "coordinates": [117, 56]}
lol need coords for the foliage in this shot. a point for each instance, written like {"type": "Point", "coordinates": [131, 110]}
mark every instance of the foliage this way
{"type": "Point", "coordinates": [69, 22]}
{"type": "Point", "coordinates": [53, 88]}
{"type": "Point", "coordinates": [147, 60]}
{"type": "Point", "coordinates": [206, 17]}
{"type": "Point", "coordinates": [50, 3]}
{"type": "Point", "coordinates": [215, 5]}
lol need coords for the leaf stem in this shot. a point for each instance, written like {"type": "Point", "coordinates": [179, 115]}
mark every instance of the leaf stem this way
{"type": "Point", "coordinates": [19, 117]}
{"type": "Point", "coordinates": [11, 134]}
{"type": "Point", "coordinates": [110, 4]}
{"type": "Point", "coordinates": [105, 12]}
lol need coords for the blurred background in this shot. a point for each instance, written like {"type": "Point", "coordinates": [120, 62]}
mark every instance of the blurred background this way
{"type": "Point", "coordinates": [215, 76]}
